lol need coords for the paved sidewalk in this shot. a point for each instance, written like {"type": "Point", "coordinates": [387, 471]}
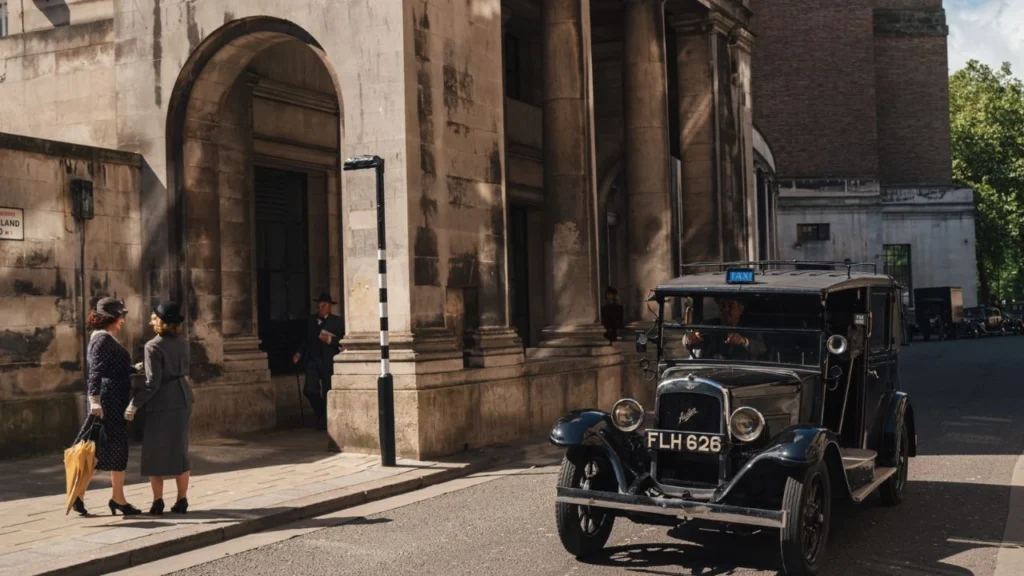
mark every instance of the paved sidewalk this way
{"type": "Point", "coordinates": [238, 487]}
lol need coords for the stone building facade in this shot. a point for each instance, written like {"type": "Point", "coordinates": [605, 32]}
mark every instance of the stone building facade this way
{"type": "Point", "coordinates": [862, 144]}
{"type": "Point", "coordinates": [536, 151]}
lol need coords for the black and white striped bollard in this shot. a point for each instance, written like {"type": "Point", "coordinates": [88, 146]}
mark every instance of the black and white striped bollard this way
{"type": "Point", "coordinates": [385, 383]}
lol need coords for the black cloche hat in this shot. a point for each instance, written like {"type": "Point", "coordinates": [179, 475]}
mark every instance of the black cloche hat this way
{"type": "Point", "coordinates": [111, 307]}
{"type": "Point", "coordinates": [169, 312]}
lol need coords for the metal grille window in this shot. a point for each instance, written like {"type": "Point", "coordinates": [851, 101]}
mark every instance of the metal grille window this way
{"type": "Point", "coordinates": [812, 232]}
{"type": "Point", "coordinates": [897, 265]}
{"type": "Point", "coordinates": [513, 72]}
{"type": "Point", "coordinates": [4, 26]}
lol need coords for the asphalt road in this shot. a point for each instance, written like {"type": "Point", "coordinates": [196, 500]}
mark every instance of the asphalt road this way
{"type": "Point", "coordinates": [968, 396]}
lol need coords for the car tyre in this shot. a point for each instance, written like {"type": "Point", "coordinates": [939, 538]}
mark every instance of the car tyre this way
{"type": "Point", "coordinates": [892, 490]}
{"type": "Point", "coordinates": [808, 505]}
{"type": "Point", "coordinates": [584, 530]}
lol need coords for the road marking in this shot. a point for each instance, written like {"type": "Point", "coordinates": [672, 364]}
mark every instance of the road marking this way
{"type": "Point", "coordinates": [1010, 561]}
{"type": "Point", "coordinates": [339, 518]}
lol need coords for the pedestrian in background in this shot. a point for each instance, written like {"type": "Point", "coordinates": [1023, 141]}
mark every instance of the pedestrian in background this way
{"type": "Point", "coordinates": [109, 387]}
{"type": "Point", "coordinates": [321, 345]}
{"type": "Point", "coordinates": [612, 314]}
{"type": "Point", "coordinates": [167, 400]}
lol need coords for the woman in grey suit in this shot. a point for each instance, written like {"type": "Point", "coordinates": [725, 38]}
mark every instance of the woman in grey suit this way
{"type": "Point", "coordinates": [167, 400]}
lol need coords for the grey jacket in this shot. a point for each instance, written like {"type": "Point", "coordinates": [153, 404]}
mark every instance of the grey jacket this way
{"type": "Point", "coordinates": [166, 388]}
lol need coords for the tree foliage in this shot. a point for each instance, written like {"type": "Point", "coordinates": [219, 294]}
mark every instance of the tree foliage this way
{"type": "Point", "coordinates": [987, 139]}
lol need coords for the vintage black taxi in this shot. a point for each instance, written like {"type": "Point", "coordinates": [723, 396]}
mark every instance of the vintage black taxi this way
{"type": "Point", "coordinates": [778, 391]}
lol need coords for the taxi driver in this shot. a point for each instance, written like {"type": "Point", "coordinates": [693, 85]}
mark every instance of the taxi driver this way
{"type": "Point", "coordinates": [732, 345]}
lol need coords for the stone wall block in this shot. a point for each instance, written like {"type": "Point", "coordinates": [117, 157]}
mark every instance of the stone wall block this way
{"type": "Point", "coordinates": [502, 405]}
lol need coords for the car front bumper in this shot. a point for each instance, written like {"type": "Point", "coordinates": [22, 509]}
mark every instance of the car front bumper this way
{"type": "Point", "coordinates": [675, 507]}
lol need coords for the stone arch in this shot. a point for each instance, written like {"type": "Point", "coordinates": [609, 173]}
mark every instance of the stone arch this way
{"type": "Point", "coordinates": [211, 207]}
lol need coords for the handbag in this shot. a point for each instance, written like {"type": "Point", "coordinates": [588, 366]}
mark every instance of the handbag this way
{"type": "Point", "coordinates": [93, 431]}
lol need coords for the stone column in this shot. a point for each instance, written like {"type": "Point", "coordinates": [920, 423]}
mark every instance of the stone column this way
{"type": "Point", "coordinates": [570, 194]}
{"type": "Point", "coordinates": [648, 171]}
{"type": "Point", "coordinates": [712, 143]}
{"type": "Point", "coordinates": [494, 342]}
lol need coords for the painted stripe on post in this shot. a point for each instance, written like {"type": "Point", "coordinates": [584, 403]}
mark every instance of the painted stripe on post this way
{"type": "Point", "coordinates": [383, 323]}
{"type": "Point", "coordinates": [383, 295]}
{"type": "Point", "coordinates": [381, 255]}
{"type": "Point", "coordinates": [382, 280]}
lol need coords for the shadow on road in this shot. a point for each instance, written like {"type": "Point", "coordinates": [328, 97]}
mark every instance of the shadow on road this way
{"type": "Point", "coordinates": [937, 522]}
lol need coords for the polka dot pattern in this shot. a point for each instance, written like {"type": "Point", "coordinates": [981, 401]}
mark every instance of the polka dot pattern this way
{"type": "Point", "coordinates": [110, 369]}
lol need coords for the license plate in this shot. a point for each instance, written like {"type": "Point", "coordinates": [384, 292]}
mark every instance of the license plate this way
{"type": "Point", "coordinates": [684, 441]}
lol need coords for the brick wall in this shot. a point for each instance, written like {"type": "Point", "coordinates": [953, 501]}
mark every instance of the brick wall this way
{"type": "Point", "coordinates": [913, 109]}
{"type": "Point", "coordinates": [814, 86]}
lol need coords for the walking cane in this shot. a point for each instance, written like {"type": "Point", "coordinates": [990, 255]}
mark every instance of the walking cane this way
{"type": "Point", "coordinates": [298, 388]}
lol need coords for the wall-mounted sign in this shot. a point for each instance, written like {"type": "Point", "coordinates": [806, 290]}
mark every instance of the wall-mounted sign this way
{"type": "Point", "coordinates": [12, 224]}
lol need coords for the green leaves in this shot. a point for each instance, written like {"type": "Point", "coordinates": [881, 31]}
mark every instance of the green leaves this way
{"type": "Point", "coordinates": [987, 143]}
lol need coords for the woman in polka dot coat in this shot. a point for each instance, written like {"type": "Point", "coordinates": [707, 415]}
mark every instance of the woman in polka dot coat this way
{"type": "Point", "coordinates": [109, 383]}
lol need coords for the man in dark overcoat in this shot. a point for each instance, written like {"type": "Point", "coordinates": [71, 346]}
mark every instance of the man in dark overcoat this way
{"type": "Point", "coordinates": [321, 344]}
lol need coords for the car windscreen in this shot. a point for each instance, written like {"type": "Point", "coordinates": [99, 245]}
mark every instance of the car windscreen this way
{"type": "Point", "coordinates": [774, 328]}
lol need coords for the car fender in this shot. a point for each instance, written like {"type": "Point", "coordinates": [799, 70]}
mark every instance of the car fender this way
{"type": "Point", "coordinates": [898, 411]}
{"type": "Point", "coordinates": [797, 448]}
{"type": "Point", "coordinates": [582, 428]}
{"type": "Point", "coordinates": [593, 429]}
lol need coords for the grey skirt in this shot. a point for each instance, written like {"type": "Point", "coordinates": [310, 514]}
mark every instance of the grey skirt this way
{"type": "Point", "coordinates": [165, 443]}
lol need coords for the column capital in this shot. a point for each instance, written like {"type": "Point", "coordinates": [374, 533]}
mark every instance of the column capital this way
{"type": "Point", "coordinates": [714, 21]}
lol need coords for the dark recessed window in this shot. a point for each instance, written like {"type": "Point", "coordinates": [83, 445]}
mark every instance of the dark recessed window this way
{"type": "Point", "coordinates": [812, 232]}
{"type": "Point", "coordinates": [513, 71]}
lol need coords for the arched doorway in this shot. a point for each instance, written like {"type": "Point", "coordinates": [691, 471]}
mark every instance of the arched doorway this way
{"type": "Point", "coordinates": [253, 156]}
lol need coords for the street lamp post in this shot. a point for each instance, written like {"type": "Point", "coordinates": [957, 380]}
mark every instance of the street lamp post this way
{"type": "Point", "coordinates": [385, 383]}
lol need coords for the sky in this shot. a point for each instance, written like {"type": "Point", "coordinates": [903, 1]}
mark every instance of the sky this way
{"type": "Point", "coordinates": [991, 31]}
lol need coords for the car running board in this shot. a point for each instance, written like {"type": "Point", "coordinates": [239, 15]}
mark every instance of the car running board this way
{"type": "Point", "coordinates": [881, 475]}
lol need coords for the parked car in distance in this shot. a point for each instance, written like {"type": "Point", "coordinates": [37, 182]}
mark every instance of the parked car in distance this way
{"type": "Point", "coordinates": [984, 321]}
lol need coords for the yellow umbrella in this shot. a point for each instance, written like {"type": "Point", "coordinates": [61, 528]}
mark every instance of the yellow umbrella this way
{"type": "Point", "coordinates": [79, 466]}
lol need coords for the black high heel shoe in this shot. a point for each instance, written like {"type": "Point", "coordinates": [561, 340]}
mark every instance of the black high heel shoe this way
{"type": "Point", "coordinates": [180, 507]}
{"type": "Point", "coordinates": [79, 507]}
{"type": "Point", "coordinates": [157, 509]}
{"type": "Point", "coordinates": [124, 509]}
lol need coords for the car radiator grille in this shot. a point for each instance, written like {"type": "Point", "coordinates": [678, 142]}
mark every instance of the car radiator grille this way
{"type": "Point", "coordinates": [682, 468]}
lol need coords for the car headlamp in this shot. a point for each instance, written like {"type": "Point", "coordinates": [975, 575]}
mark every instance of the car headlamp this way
{"type": "Point", "coordinates": [627, 415]}
{"type": "Point", "coordinates": [746, 424]}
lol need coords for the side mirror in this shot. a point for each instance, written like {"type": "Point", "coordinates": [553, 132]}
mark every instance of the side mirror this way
{"type": "Point", "coordinates": [837, 344]}
{"type": "Point", "coordinates": [641, 342]}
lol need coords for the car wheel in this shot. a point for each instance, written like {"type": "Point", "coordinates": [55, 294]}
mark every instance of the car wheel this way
{"type": "Point", "coordinates": [892, 489]}
{"type": "Point", "coordinates": [808, 506]}
{"type": "Point", "coordinates": [584, 530]}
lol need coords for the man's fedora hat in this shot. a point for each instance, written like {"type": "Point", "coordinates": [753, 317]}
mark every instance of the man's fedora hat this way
{"type": "Point", "coordinates": [325, 297]}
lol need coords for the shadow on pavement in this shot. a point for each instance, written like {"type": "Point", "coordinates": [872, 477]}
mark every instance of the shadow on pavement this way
{"type": "Point", "coordinates": [937, 522]}
{"type": "Point", "coordinates": [44, 476]}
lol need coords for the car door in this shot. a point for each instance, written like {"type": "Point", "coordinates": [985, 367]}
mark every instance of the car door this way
{"type": "Point", "coordinates": [881, 365]}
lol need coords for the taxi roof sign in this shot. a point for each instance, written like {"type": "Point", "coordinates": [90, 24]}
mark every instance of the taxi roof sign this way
{"type": "Point", "coordinates": [739, 276]}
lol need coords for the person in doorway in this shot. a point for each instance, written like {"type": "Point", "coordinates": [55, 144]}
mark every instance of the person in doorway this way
{"type": "Point", "coordinates": [109, 388]}
{"type": "Point", "coordinates": [167, 400]}
{"type": "Point", "coordinates": [612, 314]}
{"type": "Point", "coordinates": [321, 345]}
